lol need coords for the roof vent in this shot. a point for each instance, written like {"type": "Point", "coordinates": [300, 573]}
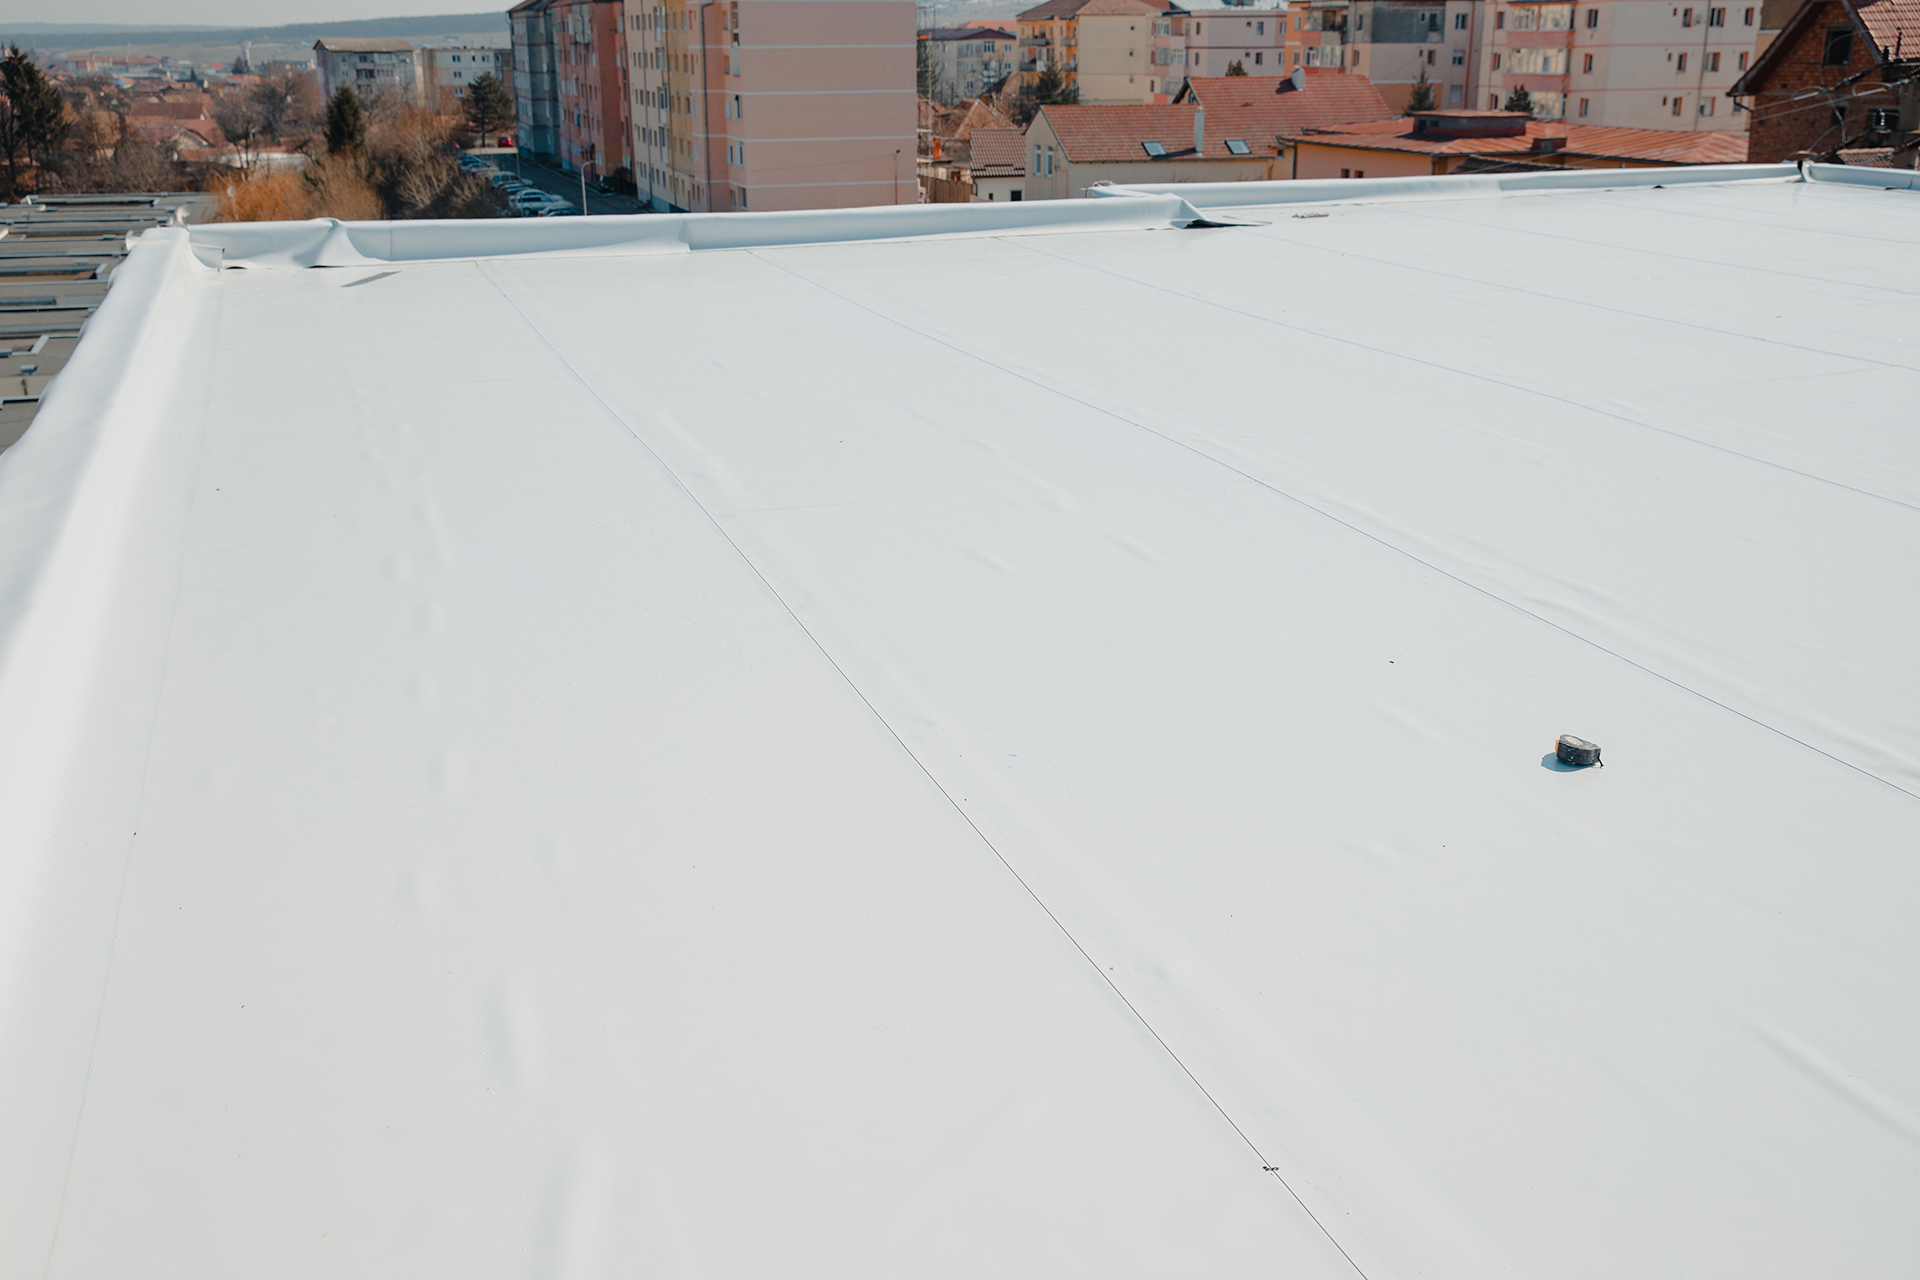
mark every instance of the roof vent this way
{"type": "Point", "coordinates": [1299, 79]}
{"type": "Point", "coordinates": [1576, 751]}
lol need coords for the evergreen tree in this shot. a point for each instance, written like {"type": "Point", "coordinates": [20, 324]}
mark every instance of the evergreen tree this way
{"type": "Point", "coordinates": [1235, 69]}
{"type": "Point", "coordinates": [33, 116]}
{"type": "Point", "coordinates": [1520, 100]}
{"type": "Point", "coordinates": [489, 106]}
{"type": "Point", "coordinates": [346, 122]}
{"type": "Point", "coordinates": [1422, 97]}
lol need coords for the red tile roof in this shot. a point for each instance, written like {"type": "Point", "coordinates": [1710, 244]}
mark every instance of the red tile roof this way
{"type": "Point", "coordinates": [1247, 109]}
{"type": "Point", "coordinates": [1071, 9]}
{"type": "Point", "coordinates": [1892, 25]}
{"type": "Point", "coordinates": [1657, 146]}
{"type": "Point", "coordinates": [999, 153]}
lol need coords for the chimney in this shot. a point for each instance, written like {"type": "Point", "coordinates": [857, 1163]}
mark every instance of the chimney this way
{"type": "Point", "coordinates": [1199, 130]}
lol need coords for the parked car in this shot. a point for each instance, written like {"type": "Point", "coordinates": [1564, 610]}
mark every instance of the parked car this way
{"type": "Point", "coordinates": [499, 179]}
{"type": "Point", "coordinates": [560, 210]}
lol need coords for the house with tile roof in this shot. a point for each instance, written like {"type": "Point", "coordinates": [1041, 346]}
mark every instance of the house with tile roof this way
{"type": "Point", "coordinates": [1832, 80]}
{"type": "Point", "coordinates": [1440, 142]}
{"type": "Point", "coordinates": [999, 165]}
{"type": "Point", "coordinates": [1224, 129]}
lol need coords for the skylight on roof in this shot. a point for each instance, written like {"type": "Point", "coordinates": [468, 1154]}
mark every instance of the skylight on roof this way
{"type": "Point", "coordinates": [1155, 150]}
{"type": "Point", "coordinates": [1238, 147]}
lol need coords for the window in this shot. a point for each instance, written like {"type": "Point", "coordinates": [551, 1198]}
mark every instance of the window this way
{"type": "Point", "coordinates": [1496, 62]}
{"type": "Point", "coordinates": [1680, 63]}
{"type": "Point", "coordinates": [1686, 17]}
{"type": "Point", "coordinates": [1716, 17]}
{"type": "Point", "coordinates": [1586, 65]}
{"type": "Point", "coordinates": [1359, 173]}
{"type": "Point", "coordinates": [1676, 106]}
{"type": "Point", "coordinates": [1748, 20]}
{"type": "Point", "coordinates": [1049, 162]}
{"type": "Point", "coordinates": [1743, 62]}
{"type": "Point", "coordinates": [1583, 107]}
{"type": "Point", "coordinates": [1706, 106]}
{"type": "Point", "coordinates": [1036, 159]}
{"type": "Point", "coordinates": [1429, 57]}
{"type": "Point", "coordinates": [1459, 59]}
{"type": "Point", "coordinates": [1455, 94]}
{"type": "Point", "coordinates": [1257, 59]}
{"type": "Point", "coordinates": [1346, 173]}
{"type": "Point", "coordinates": [1839, 47]}
{"type": "Point", "coordinates": [1153, 149]}
{"type": "Point", "coordinates": [1238, 147]}
{"type": "Point", "coordinates": [1459, 22]}
{"type": "Point", "coordinates": [1593, 19]}
{"type": "Point", "coordinates": [1259, 28]}
{"type": "Point", "coordinates": [1500, 21]}
{"type": "Point", "coordinates": [1713, 62]}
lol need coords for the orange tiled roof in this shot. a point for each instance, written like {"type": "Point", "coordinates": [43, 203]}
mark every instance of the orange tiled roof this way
{"type": "Point", "coordinates": [1072, 8]}
{"type": "Point", "coordinates": [1658, 146]}
{"type": "Point", "coordinates": [999, 153]}
{"type": "Point", "coordinates": [1253, 110]}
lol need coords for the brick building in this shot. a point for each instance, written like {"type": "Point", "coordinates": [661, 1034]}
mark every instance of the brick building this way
{"type": "Point", "coordinates": [1826, 83]}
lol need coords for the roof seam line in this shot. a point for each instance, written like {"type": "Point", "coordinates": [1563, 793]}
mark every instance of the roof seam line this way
{"type": "Point", "coordinates": [1511, 386]}
{"type": "Point", "coordinates": [886, 724]}
{"type": "Point", "coordinates": [1365, 533]}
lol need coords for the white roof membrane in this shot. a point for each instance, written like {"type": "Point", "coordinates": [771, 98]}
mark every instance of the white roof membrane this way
{"type": "Point", "coordinates": [981, 752]}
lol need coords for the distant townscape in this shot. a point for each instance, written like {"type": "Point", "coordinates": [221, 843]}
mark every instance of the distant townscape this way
{"type": "Point", "coordinates": [605, 106]}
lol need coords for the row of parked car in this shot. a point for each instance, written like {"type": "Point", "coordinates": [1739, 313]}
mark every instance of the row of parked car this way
{"type": "Point", "coordinates": [523, 198]}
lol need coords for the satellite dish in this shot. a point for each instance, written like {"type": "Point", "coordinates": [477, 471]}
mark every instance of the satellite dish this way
{"type": "Point", "coordinates": [1299, 78]}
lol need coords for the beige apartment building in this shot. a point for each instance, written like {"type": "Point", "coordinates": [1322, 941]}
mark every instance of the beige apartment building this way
{"type": "Point", "coordinates": [1648, 64]}
{"type": "Point", "coordinates": [1113, 52]}
{"type": "Point", "coordinates": [446, 73]}
{"type": "Point", "coordinates": [773, 104]}
{"type": "Point", "coordinates": [1254, 38]}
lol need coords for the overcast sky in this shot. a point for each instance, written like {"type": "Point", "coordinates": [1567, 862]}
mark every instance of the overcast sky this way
{"type": "Point", "coordinates": [236, 13]}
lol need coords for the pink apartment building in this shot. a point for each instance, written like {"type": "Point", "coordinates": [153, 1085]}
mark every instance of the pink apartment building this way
{"type": "Point", "coordinates": [772, 104]}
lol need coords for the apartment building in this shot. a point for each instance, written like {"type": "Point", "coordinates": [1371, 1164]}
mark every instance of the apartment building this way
{"type": "Point", "coordinates": [536, 102]}
{"type": "Point", "coordinates": [1111, 52]}
{"type": "Point", "coordinates": [1219, 38]}
{"type": "Point", "coordinates": [965, 61]}
{"type": "Point", "coordinates": [1398, 44]}
{"type": "Point", "coordinates": [772, 104]}
{"type": "Point", "coordinates": [448, 72]}
{"type": "Point", "coordinates": [370, 67]}
{"type": "Point", "coordinates": [1648, 64]}
{"type": "Point", "coordinates": [571, 97]}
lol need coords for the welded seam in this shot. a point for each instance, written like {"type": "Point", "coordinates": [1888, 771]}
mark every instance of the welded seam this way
{"type": "Point", "coordinates": [1483, 377]}
{"type": "Point", "coordinates": [1694, 325]}
{"type": "Point", "coordinates": [1266, 1165]}
{"type": "Point", "coordinates": [140, 798]}
{"type": "Point", "coordinates": [1364, 532]}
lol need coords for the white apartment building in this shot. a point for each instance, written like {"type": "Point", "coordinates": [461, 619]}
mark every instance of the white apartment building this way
{"type": "Point", "coordinates": [370, 67]}
{"type": "Point", "coordinates": [1648, 64]}
{"type": "Point", "coordinates": [450, 71]}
